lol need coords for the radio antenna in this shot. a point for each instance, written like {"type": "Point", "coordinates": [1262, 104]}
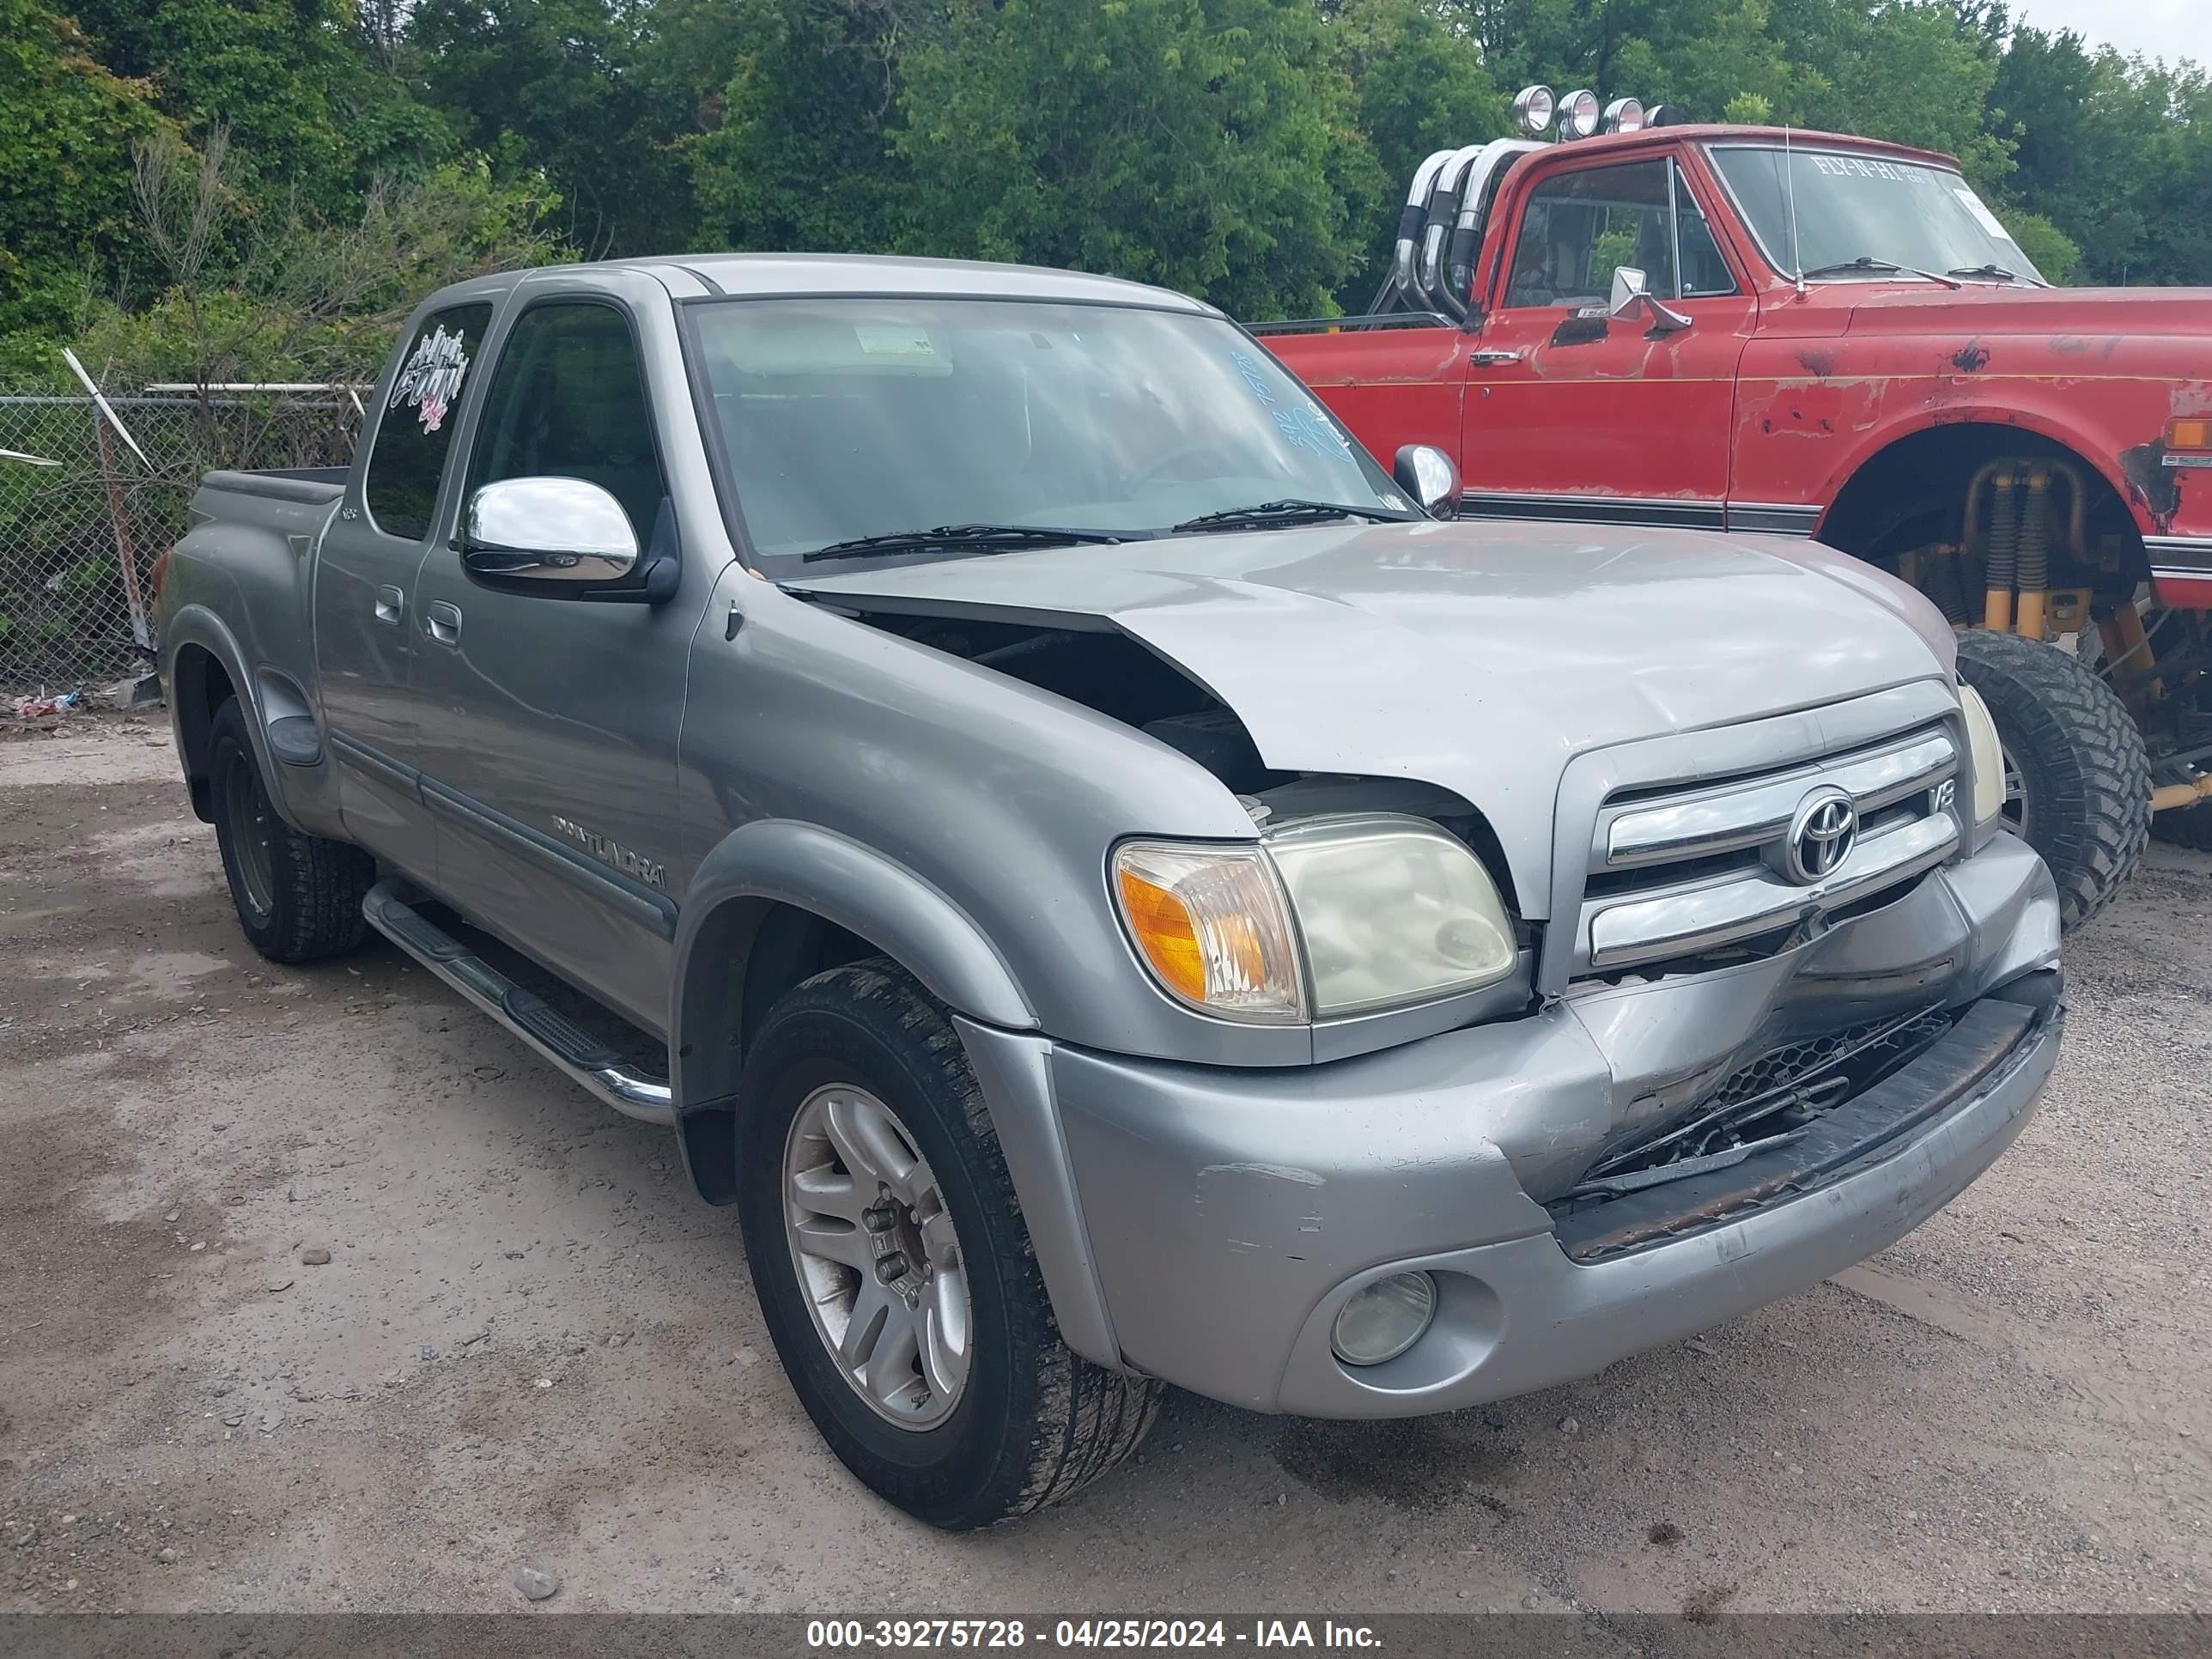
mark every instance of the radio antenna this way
{"type": "Point", "coordinates": [1789, 173]}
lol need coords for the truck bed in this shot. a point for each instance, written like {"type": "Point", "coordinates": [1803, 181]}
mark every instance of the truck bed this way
{"type": "Point", "coordinates": [310, 486]}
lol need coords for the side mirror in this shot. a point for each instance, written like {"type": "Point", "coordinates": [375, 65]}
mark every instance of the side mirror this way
{"type": "Point", "coordinates": [1632, 299]}
{"type": "Point", "coordinates": [548, 530]}
{"type": "Point", "coordinates": [1426, 473]}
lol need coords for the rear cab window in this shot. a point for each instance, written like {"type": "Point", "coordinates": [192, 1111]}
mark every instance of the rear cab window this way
{"type": "Point", "coordinates": [414, 427]}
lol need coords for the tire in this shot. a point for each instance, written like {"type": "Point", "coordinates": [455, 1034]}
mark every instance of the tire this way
{"type": "Point", "coordinates": [2083, 770]}
{"type": "Point", "coordinates": [1030, 1422]}
{"type": "Point", "coordinates": [298, 897]}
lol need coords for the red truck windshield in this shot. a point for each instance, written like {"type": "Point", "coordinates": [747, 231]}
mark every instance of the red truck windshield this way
{"type": "Point", "coordinates": [1852, 206]}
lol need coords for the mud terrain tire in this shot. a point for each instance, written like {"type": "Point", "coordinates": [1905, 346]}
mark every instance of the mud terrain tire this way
{"type": "Point", "coordinates": [2082, 768]}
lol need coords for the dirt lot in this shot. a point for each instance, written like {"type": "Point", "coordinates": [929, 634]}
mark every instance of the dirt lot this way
{"type": "Point", "coordinates": [531, 1344]}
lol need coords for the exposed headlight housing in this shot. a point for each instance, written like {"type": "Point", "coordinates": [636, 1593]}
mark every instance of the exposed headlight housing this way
{"type": "Point", "coordinates": [1323, 919]}
{"type": "Point", "coordinates": [1532, 111]}
{"type": "Point", "coordinates": [1986, 756]}
{"type": "Point", "coordinates": [1579, 113]}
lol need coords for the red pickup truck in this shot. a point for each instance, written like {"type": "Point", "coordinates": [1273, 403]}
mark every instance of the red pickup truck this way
{"type": "Point", "coordinates": [1740, 329]}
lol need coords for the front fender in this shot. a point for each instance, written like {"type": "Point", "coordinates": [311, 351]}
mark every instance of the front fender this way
{"type": "Point", "coordinates": [773, 861]}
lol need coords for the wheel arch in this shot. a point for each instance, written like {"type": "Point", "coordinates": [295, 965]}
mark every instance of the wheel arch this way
{"type": "Point", "coordinates": [1909, 461]}
{"type": "Point", "coordinates": [206, 670]}
{"type": "Point", "coordinates": [776, 902]}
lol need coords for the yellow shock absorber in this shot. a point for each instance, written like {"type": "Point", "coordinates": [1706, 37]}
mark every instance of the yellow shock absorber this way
{"type": "Point", "coordinates": [2003, 559]}
{"type": "Point", "coordinates": [2128, 653]}
{"type": "Point", "coordinates": [2034, 578]}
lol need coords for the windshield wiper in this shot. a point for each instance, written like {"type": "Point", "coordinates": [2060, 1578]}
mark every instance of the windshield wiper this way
{"type": "Point", "coordinates": [1867, 262]}
{"type": "Point", "coordinates": [1996, 274]}
{"type": "Point", "coordinates": [972, 537]}
{"type": "Point", "coordinates": [1283, 515]}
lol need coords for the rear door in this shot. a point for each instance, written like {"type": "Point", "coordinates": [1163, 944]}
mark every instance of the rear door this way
{"type": "Point", "coordinates": [364, 595]}
{"type": "Point", "coordinates": [549, 724]}
{"type": "Point", "coordinates": [1572, 414]}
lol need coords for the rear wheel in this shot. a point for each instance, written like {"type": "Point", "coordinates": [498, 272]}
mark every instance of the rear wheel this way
{"type": "Point", "coordinates": [894, 1269]}
{"type": "Point", "coordinates": [298, 895]}
{"type": "Point", "coordinates": [2077, 776]}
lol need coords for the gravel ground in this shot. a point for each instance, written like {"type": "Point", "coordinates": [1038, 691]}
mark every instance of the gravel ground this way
{"type": "Point", "coordinates": [529, 1345]}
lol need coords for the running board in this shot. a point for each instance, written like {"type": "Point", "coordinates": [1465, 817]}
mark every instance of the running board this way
{"type": "Point", "coordinates": [561, 1042]}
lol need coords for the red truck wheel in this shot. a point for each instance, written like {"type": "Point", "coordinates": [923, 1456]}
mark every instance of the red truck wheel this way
{"type": "Point", "coordinates": [2077, 774]}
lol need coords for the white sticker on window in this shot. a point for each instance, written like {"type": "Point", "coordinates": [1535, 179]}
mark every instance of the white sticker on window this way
{"type": "Point", "coordinates": [431, 378]}
{"type": "Point", "coordinates": [1982, 216]}
{"type": "Point", "coordinates": [883, 341]}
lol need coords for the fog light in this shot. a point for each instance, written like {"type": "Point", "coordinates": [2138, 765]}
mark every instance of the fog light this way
{"type": "Point", "coordinates": [1385, 1319]}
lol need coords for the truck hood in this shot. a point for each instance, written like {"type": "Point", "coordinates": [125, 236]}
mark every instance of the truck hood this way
{"type": "Point", "coordinates": [1479, 657]}
{"type": "Point", "coordinates": [2087, 318]}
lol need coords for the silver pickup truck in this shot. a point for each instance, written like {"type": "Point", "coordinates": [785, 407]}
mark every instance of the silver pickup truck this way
{"type": "Point", "coordinates": [1112, 886]}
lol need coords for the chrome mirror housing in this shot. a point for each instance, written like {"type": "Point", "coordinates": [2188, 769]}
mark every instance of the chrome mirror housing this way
{"type": "Point", "coordinates": [1632, 299]}
{"type": "Point", "coordinates": [558, 529]}
{"type": "Point", "coordinates": [1427, 474]}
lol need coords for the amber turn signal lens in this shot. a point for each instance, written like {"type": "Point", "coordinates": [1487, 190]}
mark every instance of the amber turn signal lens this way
{"type": "Point", "coordinates": [1166, 934]}
{"type": "Point", "coordinates": [2194, 434]}
{"type": "Point", "coordinates": [1212, 925]}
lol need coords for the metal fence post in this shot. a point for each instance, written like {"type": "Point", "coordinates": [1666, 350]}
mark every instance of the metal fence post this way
{"type": "Point", "coordinates": [125, 556]}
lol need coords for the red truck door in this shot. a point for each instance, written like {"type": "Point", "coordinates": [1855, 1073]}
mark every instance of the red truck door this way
{"type": "Point", "coordinates": [1572, 414]}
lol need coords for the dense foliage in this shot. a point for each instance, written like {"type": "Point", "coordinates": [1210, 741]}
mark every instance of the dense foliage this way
{"type": "Point", "coordinates": [1248, 150]}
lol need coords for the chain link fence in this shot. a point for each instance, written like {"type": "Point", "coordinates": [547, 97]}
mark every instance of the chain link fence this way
{"type": "Point", "coordinates": [83, 517]}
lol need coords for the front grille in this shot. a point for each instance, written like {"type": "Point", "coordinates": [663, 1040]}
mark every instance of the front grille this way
{"type": "Point", "coordinates": [1762, 1105]}
{"type": "Point", "coordinates": [1872, 1047]}
{"type": "Point", "coordinates": [1700, 869]}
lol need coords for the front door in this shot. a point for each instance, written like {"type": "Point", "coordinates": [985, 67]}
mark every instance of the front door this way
{"type": "Point", "coordinates": [364, 585]}
{"type": "Point", "coordinates": [1573, 414]}
{"type": "Point", "coordinates": [549, 724]}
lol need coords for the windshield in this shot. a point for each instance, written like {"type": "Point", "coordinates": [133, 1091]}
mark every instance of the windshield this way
{"type": "Point", "coordinates": [846, 418]}
{"type": "Point", "coordinates": [1852, 207]}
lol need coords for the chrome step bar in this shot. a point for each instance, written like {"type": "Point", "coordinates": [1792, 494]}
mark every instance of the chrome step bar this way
{"type": "Point", "coordinates": [557, 1039]}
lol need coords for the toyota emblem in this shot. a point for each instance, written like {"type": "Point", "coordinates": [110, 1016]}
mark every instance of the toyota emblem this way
{"type": "Point", "coordinates": [1821, 836]}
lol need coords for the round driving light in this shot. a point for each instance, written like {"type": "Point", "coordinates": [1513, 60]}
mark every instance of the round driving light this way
{"type": "Point", "coordinates": [1579, 113]}
{"type": "Point", "coordinates": [1666, 115]}
{"type": "Point", "coordinates": [1532, 110]}
{"type": "Point", "coordinates": [1385, 1319]}
{"type": "Point", "coordinates": [1623, 115]}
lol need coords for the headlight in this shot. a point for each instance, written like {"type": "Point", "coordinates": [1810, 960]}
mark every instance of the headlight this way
{"type": "Point", "coordinates": [1985, 754]}
{"type": "Point", "coordinates": [1382, 911]}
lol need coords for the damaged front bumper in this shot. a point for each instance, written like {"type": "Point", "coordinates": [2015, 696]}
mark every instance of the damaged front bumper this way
{"type": "Point", "coordinates": [1206, 1224]}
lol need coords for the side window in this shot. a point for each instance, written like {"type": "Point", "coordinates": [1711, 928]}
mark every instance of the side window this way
{"type": "Point", "coordinates": [1579, 227]}
{"type": "Point", "coordinates": [1704, 272]}
{"type": "Point", "coordinates": [415, 429]}
{"type": "Point", "coordinates": [568, 400]}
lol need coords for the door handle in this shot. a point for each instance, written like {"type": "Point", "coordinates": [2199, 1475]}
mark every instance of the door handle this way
{"type": "Point", "coordinates": [1492, 358]}
{"type": "Point", "coordinates": [442, 622]}
{"type": "Point", "coordinates": [391, 604]}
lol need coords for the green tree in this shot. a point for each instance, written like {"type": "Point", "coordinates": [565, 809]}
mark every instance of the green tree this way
{"type": "Point", "coordinates": [796, 149]}
{"type": "Point", "coordinates": [312, 113]}
{"type": "Point", "coordinates": [559, 86]}
{"type": "Point", "coordinates": [66, 127]}
{"type": "Point", "coordinates": [1418, 85]}
{"type": "Point", "coordinates": [1210, 145]}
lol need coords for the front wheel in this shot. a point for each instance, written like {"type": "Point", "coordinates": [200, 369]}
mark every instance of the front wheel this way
{"type": "Point", "coordinates": [894, 1269]}
{"type": "Point", "coordinates": [2077, 776]}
